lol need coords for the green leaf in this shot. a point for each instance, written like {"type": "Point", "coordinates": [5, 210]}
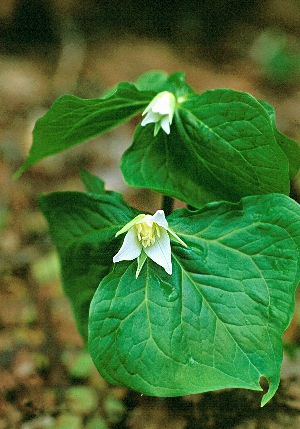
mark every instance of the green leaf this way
{"type": "Point", "coordinates": [92, 183]}
{"type": "Point", "coordinates": [72, 120]}
{"type": "Point", "coordinates": [176, 84]}
{"type": "Point", "coordinates": [221, 147]}
{"type": "Point", "coordinates": [152, 81]}
{"type": "Point", "coordinates": [158, 81]}
{"type": "Point", "coordinates": [217, 321]}
{"type": "Point", "coordinates": [83, 228]}
{"type": "Point", "coordinates": [289, 146]}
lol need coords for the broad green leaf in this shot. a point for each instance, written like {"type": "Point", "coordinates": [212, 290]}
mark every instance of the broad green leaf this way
{"type": "Point", "coordinates": [83, 228]}
{"type": "Point", "coordinates": [72, 120]}
{"type": "Point", "coordinates": [217, 321]}
{"type": "Point", "coordinates": [221, 147]}
{"type": "Point", "coordinates": [289, 146]}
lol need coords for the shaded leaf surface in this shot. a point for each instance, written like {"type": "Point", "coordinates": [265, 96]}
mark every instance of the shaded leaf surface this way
{"type": "Point", "coordinates": [83, 228]}
{"type": "Point", "coordinates": [217, 321]}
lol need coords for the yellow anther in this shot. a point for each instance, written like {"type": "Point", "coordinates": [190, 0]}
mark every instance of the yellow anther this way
{"type": "Point", "coordinates": [146, 232]}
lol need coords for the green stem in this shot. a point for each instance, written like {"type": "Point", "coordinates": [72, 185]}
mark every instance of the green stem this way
{"type": "Point", "coordinates": [167, 204]}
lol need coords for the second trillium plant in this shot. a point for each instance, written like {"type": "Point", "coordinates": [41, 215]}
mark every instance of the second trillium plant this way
{"type": "Point", "coordinates": [190, 300]}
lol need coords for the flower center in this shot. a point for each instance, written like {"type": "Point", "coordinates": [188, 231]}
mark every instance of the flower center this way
{"type": "Point", "coordinates": [146, 232]}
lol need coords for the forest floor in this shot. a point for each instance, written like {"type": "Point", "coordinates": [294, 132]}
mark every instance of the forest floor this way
{"type": "Point", "coordinates": [47, 379]}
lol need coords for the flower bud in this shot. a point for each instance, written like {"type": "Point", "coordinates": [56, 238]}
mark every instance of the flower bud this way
{"type": "Point", "coordinates": [160, 112]}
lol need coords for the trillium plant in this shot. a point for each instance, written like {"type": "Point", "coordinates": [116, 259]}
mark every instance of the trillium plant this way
{"type": "Point", "coordinates": [175, 302]}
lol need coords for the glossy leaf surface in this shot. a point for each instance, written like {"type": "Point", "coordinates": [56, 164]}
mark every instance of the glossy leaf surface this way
{"type": "Point", "coordinates": [217, 321]}
{"type": "Point", "coordinates": [221, 146]}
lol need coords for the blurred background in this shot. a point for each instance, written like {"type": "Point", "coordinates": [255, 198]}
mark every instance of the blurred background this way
{"type": "Point", "coordinates": [82, 47]}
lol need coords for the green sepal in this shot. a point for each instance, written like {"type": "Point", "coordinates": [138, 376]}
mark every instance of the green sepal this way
{"type": "Point", "coordinates": [175, 237]}
{"type": "Point", "coordinates": [130, 224]}
{"type": "Point", "coordinates": [140, 262]}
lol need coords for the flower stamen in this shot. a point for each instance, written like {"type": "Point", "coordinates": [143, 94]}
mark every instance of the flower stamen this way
{"type": "Point", "coordinates": [146, 233]}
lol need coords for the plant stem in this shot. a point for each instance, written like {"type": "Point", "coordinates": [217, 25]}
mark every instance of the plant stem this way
{"type": "Point", "coordinates": [167, 204]}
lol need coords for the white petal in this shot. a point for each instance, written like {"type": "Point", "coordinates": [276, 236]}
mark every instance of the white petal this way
{"type": "Point", "coordinates": [160, 218]}
{"type": "Point", "coordinates": [149, 107]}
{"type": "Point", "coordinates": [165, 124]}
{"type": "Point", "coordinates": [162, 105]}
{"type": "Point", "coordinates": [151, 117]}
{"type": "Point", "coordinates": [131, 248]}
{"type": "Point", "coordinates": [160, 251]}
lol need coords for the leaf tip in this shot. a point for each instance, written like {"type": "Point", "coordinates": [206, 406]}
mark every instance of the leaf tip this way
{"type": "Point", "coordinates": [272, 388]}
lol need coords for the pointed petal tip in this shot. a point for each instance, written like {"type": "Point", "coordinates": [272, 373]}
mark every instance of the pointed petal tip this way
{"type": "Point", "coordinates": [130, 249]}
{"type": "Point", "coordinates": [169, 270]}
{"type": "Point", "coordinates": [160, 218]}
{"type": "Point", "coordinates": [160, 251]}
{"type": "Point", "coordinates": [165, 124]}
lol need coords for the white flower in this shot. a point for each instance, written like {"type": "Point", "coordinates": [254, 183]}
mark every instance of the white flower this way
{"type": "Point", "coordinates": [160, 111]}
{"type": "Point", "coordinates": [147, 236]}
